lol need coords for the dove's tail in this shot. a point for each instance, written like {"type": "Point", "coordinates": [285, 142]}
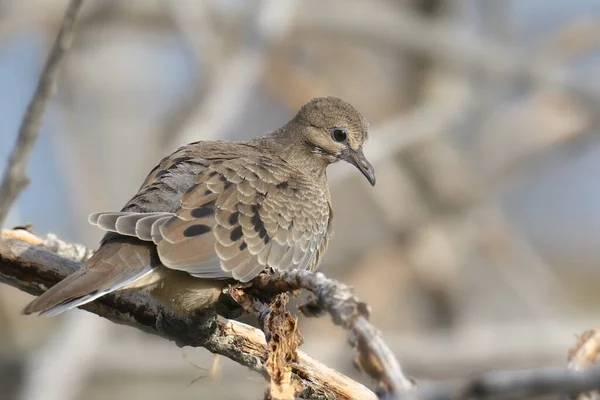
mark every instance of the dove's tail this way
{"type": "Point", "coordinates": [120, 262]}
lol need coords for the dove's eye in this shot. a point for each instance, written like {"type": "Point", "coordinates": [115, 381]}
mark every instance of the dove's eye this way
{"type": "Point", "coordinates": [339, 134]}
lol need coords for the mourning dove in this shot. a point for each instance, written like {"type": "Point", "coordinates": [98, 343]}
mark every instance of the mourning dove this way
{"type": "Point", "coordinates": [214, 212]}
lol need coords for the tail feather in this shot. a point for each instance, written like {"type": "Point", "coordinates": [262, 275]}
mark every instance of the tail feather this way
{"type": "Point", "coordinates": [61, 297]}
{"type": "Point", "coordinates": [118, 263]}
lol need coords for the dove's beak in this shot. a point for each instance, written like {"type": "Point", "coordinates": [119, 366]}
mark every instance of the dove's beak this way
{"type": "Point", "coordinates": [357, 158]}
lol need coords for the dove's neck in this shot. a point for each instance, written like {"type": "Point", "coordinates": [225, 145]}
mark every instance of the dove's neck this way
{"type": "Point", "coordinates": [290, 144]}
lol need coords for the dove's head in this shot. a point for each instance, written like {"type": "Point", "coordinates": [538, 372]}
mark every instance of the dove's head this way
{"type": "Point", "coordinates": [334, 130]}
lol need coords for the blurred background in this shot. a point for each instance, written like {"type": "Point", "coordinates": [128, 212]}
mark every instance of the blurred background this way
{"type": "Point", "coordinates": [476, 250]}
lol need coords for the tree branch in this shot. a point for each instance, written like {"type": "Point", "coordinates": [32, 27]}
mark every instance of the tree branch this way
{"type": "Point", "coordinates": [15, 177]}
{"type": "Point", "coordinates": [374, 356]}
{"type": "Point", "coordinates": [32, 268]}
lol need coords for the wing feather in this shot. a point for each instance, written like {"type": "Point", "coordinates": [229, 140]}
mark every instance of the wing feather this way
{"type": "Point", "coordinates": [238, 217]}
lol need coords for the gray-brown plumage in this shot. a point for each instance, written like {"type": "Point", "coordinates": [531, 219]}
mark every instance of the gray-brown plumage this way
{"type": "Point", "coordinates": [216, 211]}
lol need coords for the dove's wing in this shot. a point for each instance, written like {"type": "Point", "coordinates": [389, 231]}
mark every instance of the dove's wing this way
{"type": "Point", "coordinates": [239, 216]}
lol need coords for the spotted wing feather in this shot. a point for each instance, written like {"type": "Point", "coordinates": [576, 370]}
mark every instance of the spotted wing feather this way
{"type": "Point", "coordinates": [251, 219]}
{"type": "Point", "coordinates": [237, 217]}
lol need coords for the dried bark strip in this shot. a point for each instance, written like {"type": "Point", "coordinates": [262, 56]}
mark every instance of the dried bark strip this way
{"type": "Point", "coordinates": [15, 176]}
{"type": "Point", "coordinates": [283, 338]}
{"type": "Point", "coordinates": [33, 269]}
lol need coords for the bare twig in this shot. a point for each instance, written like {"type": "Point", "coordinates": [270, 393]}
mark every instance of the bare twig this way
{"type": "Point", "coordinates": [443, 42]}
{"type": "Point", "coordinates": [195, 28]}
{"type": "Point", "coordinates": [60, 368]}
{"type": "Point", "coordinates": [15, 177]}
{"type": "Point", "coordinates": [374, 358]}
{"type": "Point", "coordinates": [226, 98]}
{"type": "Point", "coordinates": [33, 269]}
{"type": "Point", "coordinates": [55, 360]}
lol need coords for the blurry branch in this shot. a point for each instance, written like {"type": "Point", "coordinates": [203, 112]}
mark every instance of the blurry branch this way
{"type": "Point", "coordinates": [15, 176]}
{"type": "Point", "coordinates": [451, 46]}
{"type": "Point", "coordinates": [451, 353]}
{"type": "Point", "coordinates": [33, 269]}
{"type": "Point", "coordinates": [195, 28]}
{"type": "Point", "coordinates": [43, 377]}
{"type": "Point", "coordinates": [514, 384]}
{"type": "Point", "coordinates": [445, 43]}
{"type": "Point", "coordinates": [508, 249]}
{"type": "Point", "coordinates": [420, 65]}
{"type": "Point", "coordinates": [534, 283]}
{"type": "Point", "coordinates": [60, 368]}
{"type": "Point", "coordinates": [289, 82]}
{"type": "Point", "coordinates": [574, 41]}
{"type": "Point", "coordinates": [226, 98]}
{"type": "Point", "coordinates": [566, 130]}
{"type": "Point", "coordinates": [531, 134]}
